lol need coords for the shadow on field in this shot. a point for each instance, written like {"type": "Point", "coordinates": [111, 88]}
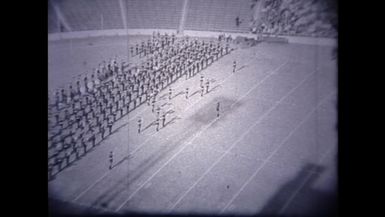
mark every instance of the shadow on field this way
{"type": "Point", "coordinates": [122, 185]}
{"type": "Point", "coordinates": [307, 201]}
{"type": "Point", "coordinates": [208, 112]}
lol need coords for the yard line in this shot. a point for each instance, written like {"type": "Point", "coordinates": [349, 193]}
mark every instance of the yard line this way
{"type": "Point", "coordinates": [141, 145]}
{"type": "Point", "coordinates": [185, 145]}
{"type": "Point", "coordinates": [275, 151]}
{"type": "Point", "coordinates": [164, 165]}
{"type": "Point", "coordinates": [232, 74]}
{"type": "Point", "coordinates": [91, 186]}
{"type": "Point", "coordinates": [81, 204]}
{"type": "Point", "coordinates": [257, 84]}
{"type": "Point", "coordinates": [295, 193]}
{"type": "Point", "coordinates": [231, 153]}
{"type": "Point", "coordinates": [238, 140]}
{"type": "Point", "coordinates": [106, 173]}
{"type": "Point", "coordinates": [133, 152]}
{"type": "Point", "coordinates": [305, 181]}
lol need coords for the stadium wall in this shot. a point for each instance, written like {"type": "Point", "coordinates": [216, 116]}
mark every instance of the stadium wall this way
{"type": "Point", "coordinates": [192, 33]}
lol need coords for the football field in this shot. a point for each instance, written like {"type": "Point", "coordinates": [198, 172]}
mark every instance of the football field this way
{"type": "Point", "coordinates": [272, 150]}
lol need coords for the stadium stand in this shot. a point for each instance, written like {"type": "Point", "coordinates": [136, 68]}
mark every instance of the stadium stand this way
{"type": "Point", "coordinates": [92, 14]}
{"type": "Point", "coordinates": [53, 24]}
{"type": "Point", "coordinates": [298, 18]}
{"type": "Point", "coordinates": [84, 114]}
{"type": "Point", "coordinates": [218, 15]}
{"type": "Point", "coordinates": [313, 18]}
{"type": "Point", "coordinates": [164, 14]}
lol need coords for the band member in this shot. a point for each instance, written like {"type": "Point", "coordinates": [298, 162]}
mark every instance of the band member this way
{"type": "Point", "coordinates": [207, 85]}
{"type": "Point", "coordinates": [186, 93]}
{"type": "Point", "coordinates": [139, 125]}
{"type": "Point", "coordinates": [234, 65]}
{"type": "Point", "coordinates": [111, 157]}
{"type": "Point", "coordinates": [218, 106]}
{"type": "Point", "coordinates": [169, 93]}
{"type": "Point", "coordinates": [163, 119]}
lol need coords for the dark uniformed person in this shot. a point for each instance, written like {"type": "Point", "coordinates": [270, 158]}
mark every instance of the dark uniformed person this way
{"type": "Point", "coordinates": [93, 138]}
{"type": "Point", "coordinates": [187, 93]}
{"type": "Point", "coordinates": [78, 87]}
{"type": "Point", "coordinates": [169, 93]}
{"type": "Point", "coordinates": [157, 111]}
{"type": "Point", "coordinates": [67, 157]}
{"type": "Point", "coordinates": [102, 132]}
{"type": "Point", "coordinates": [148, 98]}
{"type": "Point", "coordinates": [157, 123]}
{"type": "Point", "coordinates": [50, 169]}
{"type": "Point", "coordinates": [84, 144]}
{"type": "Point", "coordinates": [71, 93]}
{"type": "Point", "coordinates": [111, 159]}
{"type": "Point", "coordinates": [163, 119]}
{"type": "Point", "coordinates": [57, 99]}
{"type": "Point", "coordinates": [121, 111]}
{"type": "Point", "coordinates": [58, 161]}
{"type": "Point", "coordinates": [73, 141]}
{"type": "Point", "coordinates": [139, 125]}
{"type": "Point", "coordinates": [188, 72]}
{"type": "Point", "coordinates": [137, 49]}
{"type": "Point", "coordinates": [234, 65]}
{"type": "Point", "coordinates": [153, 106]}
{"type": "Point", "coordinates": [207, 85]}
{"type": "Point", "coordinates": [85, 82]}
{"type": "Point", "coordinates": [57, 120]}
{"type": "Point", "coordinates": [156, 91]}
{"type": "Point", "coordinates": [77, 150]}
{"type": "Point", "coordinates": [218, 105]}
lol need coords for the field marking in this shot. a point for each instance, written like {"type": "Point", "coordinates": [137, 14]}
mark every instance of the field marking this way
{"type": "Point", "coordinates": [165, 164]}
{"type": "Point", "coordinates": [295, 192]}
{"type": "Point", "coordinates": [238, 140]}
{"type": "Point", "coordinates": [85, 206]}
{"type": "Point", "coordinates": [133, 152]}
{"type": "Point", "coordinates": [221, 82]}
{"type": "Point", "coordinates": [275, 151]}
{"type": "Point", "coordinates": [232, 74]}
{"type": "Point", "coordinates": [106, 173]}
{"type": "Point", "coordinates": [256, 85]}
{"type": "Point", "coordinates": [183, 146]}
{"type": "Point", "coordinates": [91, 186]}
{"type": "Point", "coordinates": [231, 153]}
{"type": "Point", "coordinates": [142, 144]}
{"type": "Point", "coordinates": [306, 179]}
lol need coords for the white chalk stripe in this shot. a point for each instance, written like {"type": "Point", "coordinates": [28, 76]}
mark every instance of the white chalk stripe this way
{"type": "Point", "coordinates": [165, 164]}
{"type": "Point", "coordinates": [238, 140]}
{"type": "Point", "coordinates": [272, 154]}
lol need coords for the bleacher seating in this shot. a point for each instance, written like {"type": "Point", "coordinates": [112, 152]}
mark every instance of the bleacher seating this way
{"type": "Point", "coordinates": [218, 15]}
{"type": "Point", "coordinates": [164, 14]}
{"type": "Point", "coordinates": [53, 25]}
{"type": "Point", "coordinates": [298, 18]}
{"type": "Point", "coordinates": [314, 18]}
{"type": "Point", "coordinates": [91, 14]}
